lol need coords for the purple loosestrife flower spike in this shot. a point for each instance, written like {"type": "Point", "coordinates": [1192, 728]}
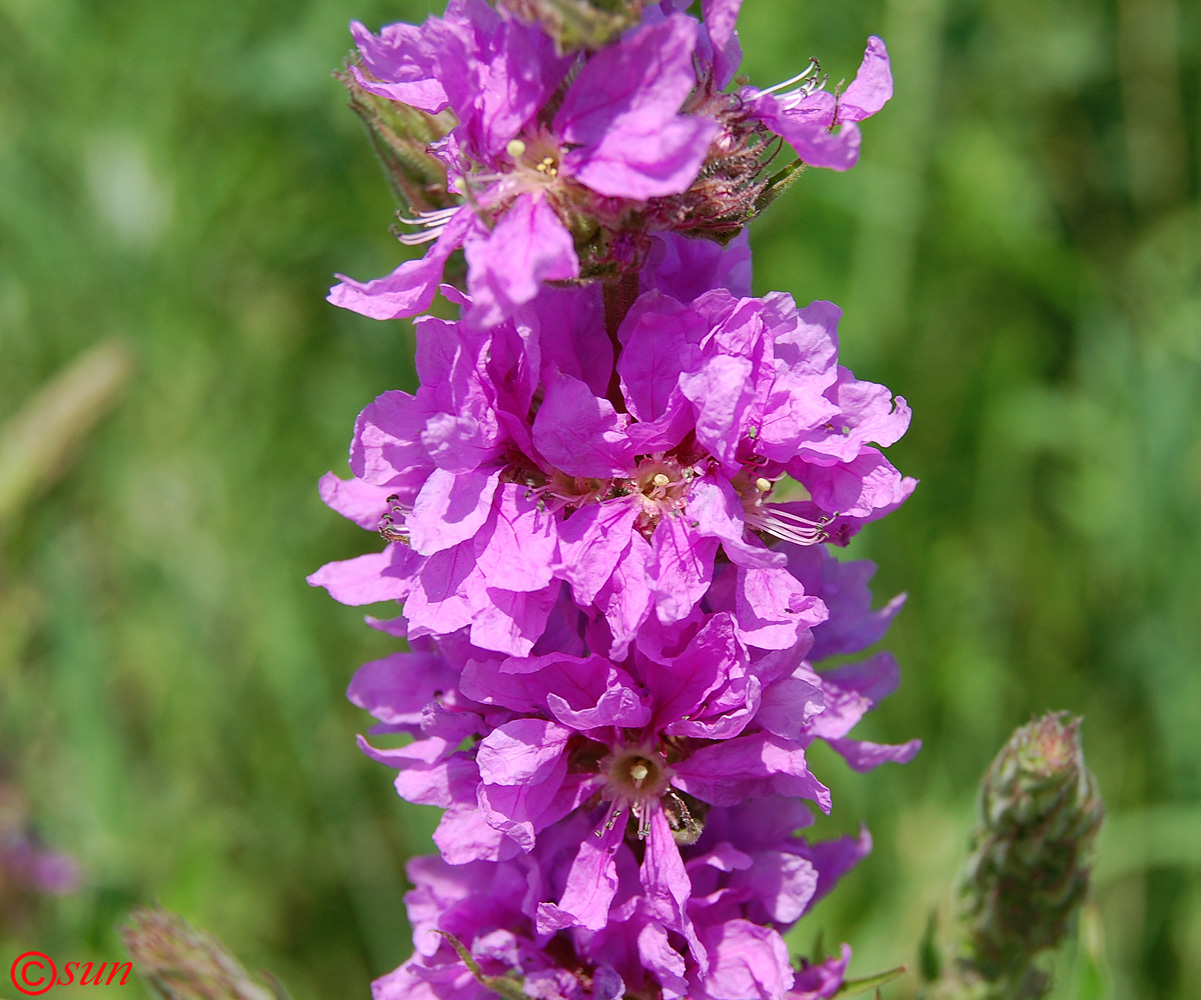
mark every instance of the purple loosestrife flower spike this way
{"type": "Point", "coordinates": [606, 507]}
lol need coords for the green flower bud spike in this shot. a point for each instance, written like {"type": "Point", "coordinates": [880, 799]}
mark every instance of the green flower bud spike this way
{"type": "Point", "coordinates": [401, 136]}
{"type": "Point", "coordinates": [179, 962]}
{"type": "Point", "coordinates": [1031, 858]}
{"type": "Point", "coordinates": [578, 24]}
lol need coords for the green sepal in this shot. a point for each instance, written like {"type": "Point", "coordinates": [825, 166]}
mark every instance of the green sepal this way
{"type": "Point", "coordinates": [504, 986]}
{"type": "Point", "coordinates": [778, 183]}
{"type": "Point", "coordinates": [854, 987]}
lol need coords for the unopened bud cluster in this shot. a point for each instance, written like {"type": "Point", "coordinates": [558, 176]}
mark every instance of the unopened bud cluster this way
{"type": "Point", "coordinates": [1028, 871]}
{"type": "Point", "coordinates": [179, 962]}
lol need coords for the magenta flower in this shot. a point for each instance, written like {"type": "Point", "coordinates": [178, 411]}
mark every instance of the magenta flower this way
{"type": "Point", "coordinates": [821, 126]}
{"type": "Point", "coordinates": [645, 747]}
{"type": "Point", "coordinates": [730, 954]}
{"type": "Point", "coordinates": [562, 167]}
{"type": "Point", "coordinates": [513, 472]}
{"type": "Point", "coordinates": [617, 137]}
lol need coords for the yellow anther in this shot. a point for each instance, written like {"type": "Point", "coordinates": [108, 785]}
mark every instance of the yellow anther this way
{"type": "Point", "coordinates": [515, 149]}
{"type": "Point", "coordinates": [639, 772]}
{"type": "Point", "coordinates": [762, 485]}
{"type": "Point", "coordinates": [660, 479]}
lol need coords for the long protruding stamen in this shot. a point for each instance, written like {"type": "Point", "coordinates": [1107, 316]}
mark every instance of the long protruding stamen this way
{"type": "Point", "coordinates": [430, 217]}
{"type": "Point", "coordinates": [610, 822]}
{"type": "Point", "coordinates": [813, 66]}
{"type": "Point", "coordinates": [432, 224]}
{"type": "Point", "coordinates": [416, 239]}
{"type": "Point", "coordinates": [790, 527]}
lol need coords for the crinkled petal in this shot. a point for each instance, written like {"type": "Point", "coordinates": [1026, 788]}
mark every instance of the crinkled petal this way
{"type": "Point", "coordinates": [644, 159]}
{"type": "Point", "coordinates": [510, 622]}
{"type": "Point", "coordinates": [579, 433]}
{"type": "Point", "coordinates": [591, 542]}
{"type": "Point", "coordinates": [821, 981]}
{"type": "Point", "coordinates": [812, 140]}
{"type": "Point", "coordinates": [506, 267]}
{"type": "Point", "coordinates": [464, 835]}
{"type": "Point", "coordinates": [685, 268]}
{"type": "Point", "coordinates": [863, 755]}
{"type": "Point", "coordinates": [591, 885]}
{"type": "Point", "coordinates": [366, 579]}
{"type": "Point", "coordinates": [872, 87]}
{"type": "Point", "coordinates": [772, 609]}
{"type": "Point", "coordinates": [450, 509]}
{"type": "Point", "coordinates": [718, 513]}
{"type": "Point", "coordinates": [441, 599]}
{"type": "Point", "coordinates": [679, 569]}
{"type": "Point", "coordinates": [666, 883]}
{"type": "Point", "coordinates": [625, 599]}
{"type": "Point", "coordinates": [514, 551]}
{"type": "Point", "coordinates": [647, 75]}
{"type": "Point", "coordinates": [722, 393]}
{"type": "Point", "coordinates": [656, 338]}
{"type": "Point", "coordinates": [403, 62]}
{"type": "Point", "coordinates": [834, 858]}
{"type": "Point", "coordinates": [397, 688]}
{"type": "Point", "coordinates": [720, 18]}
{"type": "Point", "coordinates": [729, 772]}
{"type": "Point", "coordinates": [355, 500]}
{"type": "Point", "coordinates": [622, 114]}
{"type": "Point", "coordinates": [411, 287]}
{"type": "Point", "coordinates": [784, 884]}
{"type": "Point", "coordinates": [748, 962]}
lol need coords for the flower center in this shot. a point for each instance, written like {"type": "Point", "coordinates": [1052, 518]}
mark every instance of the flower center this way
{"type": "Point", "coordinates": [637, 777]}
{"type": "Point", "coordinates": [662, 486]}
{"type": "Point", "coordinates": [538, 154]}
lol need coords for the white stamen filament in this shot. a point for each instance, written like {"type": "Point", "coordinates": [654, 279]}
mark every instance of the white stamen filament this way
{"type": "Point", "coordinates": [807, 71]}
{"type": "Point", "coordinates": [788, 526]}
{"type": "Point", "coordinates": [416, 239]}
{"type": "Point", "coordinates": [431, 222]}
{"type": "Point", "coordinates": [433, 215]}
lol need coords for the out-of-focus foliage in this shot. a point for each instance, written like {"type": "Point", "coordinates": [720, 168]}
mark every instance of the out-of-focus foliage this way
{"type": "Point", "coordinates": [1018, 253]}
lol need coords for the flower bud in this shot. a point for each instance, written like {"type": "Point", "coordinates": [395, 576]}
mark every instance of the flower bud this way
{"type": "Point", "coordinates": [1031, 854]}
{"type": "Point", "coordinates": [181, 963]}
{"type": "Point", "coordinates": [401, 136]}
{"type": "Point", "coordinates": [578, 24]}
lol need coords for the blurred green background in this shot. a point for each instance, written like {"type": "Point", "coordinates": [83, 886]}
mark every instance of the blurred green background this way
{"type": "Point", "coordinates": [1018, 253]}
